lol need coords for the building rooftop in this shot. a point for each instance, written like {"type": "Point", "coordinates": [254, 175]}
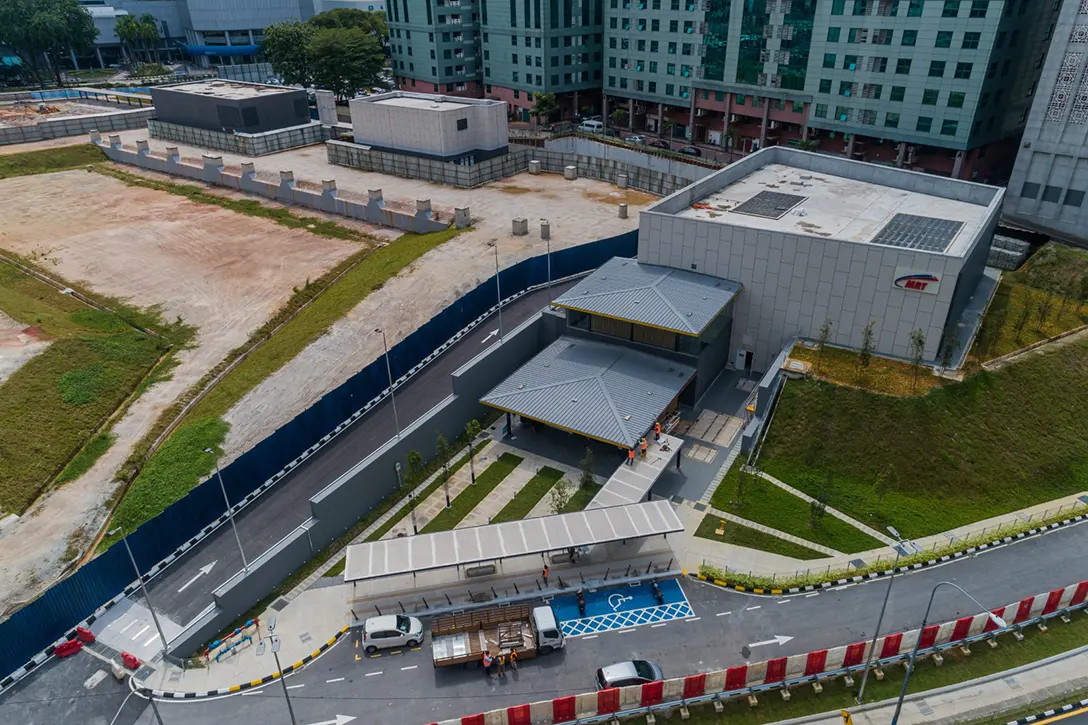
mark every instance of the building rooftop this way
{"type": "Point", "coordinates": [606, 392]}
{"type": "Point", "coordinates": [428, 101]}
{"type": "Point", "coordinates": [799, 199]}
{"type": "Point", "coordinates": [234, 90]}
{"type": "Point", "coordinates": [662, 297]}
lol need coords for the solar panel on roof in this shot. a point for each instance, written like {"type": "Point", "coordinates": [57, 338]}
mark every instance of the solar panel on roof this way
{"type": "Point", "coordinates": [926, 233]}
{"type": "Point", "coordinates": [769, 204]}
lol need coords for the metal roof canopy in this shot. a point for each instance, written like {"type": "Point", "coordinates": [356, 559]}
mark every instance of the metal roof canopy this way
{"type": "Point", "coordinates": [630, 484]}
{"type": "Point", "coordinates": [646, 294]}
{"type": "Point", "coordinates": [606, 392]}
{"type": "Point", "coordinates": [392, 557]}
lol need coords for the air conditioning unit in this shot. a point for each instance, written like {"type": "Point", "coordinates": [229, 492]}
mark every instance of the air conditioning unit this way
{"type": "Point", "coordinates": [773, 124]}
{"type": "Point", "coordinates": [732, 118]}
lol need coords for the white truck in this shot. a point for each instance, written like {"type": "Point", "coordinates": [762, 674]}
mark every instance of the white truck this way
{"type": "Point", "coordinates": [461, 639]}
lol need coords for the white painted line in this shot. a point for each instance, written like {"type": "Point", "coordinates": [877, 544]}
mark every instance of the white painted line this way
{"type": "Point", "coordinates": [335, 679]}
{"type": "Point", "coordinates": [137, 635]}
{"type": "Point", "coordinates": [810, 596]}
{"type": "Point", "coordinates": [152, 639]}
{"type": "Point", "coordinates": [409, 667]}
{"type": "Point", "coordinates": [127, 626]}
{"type": "Point", "coordinates": [783, 601]}
{"type": "Point", "coordinates": [625, 631]}
{"type": "Point", "coordinates": [295, 687]}
{"type": "Point", "coordinates": [590, 636]}
{"type": "Point", "coordinates": [844, 586]}
{"type": "Point", "coordinates": [658, 625]}
{"type": "Point", "coordinates": [371, 674]}
{"type": "Point", "coordinates": [722, 614]}
{"type": "Point", "coordinates": [758, 606]}
{"type": "Point", "coordinates": [693, 619]}
{"type": "Point", "coordinates": [251, 692]}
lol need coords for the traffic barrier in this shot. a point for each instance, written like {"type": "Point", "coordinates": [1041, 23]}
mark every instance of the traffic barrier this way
{"type": "Point", "coordinates": [736, 677]}
{"type": "Point", "coordinates": [563, 709]}
{"type": "Point", "coordinates": [1053, 600]}
{"type": "Point", "coordinates": [990, 625]}
{"type": "Point", "coordinates": [757, 673]}
{"type": "Point", "coordinates": [652, 693]}
{"type": "Point", "coordinates": [518, 715]}
{"type": "Point", "coordinates": [855, 653]}
{"type": "Point", "coordinates": [929, 636]}
{"type": "Point", "coordinates": [694, 685]}
{"type": "Point", "coordinates": [891, 645]}
{"type": "Point", "coordinates": [815, 662]}
{"type": "Point", "coordinates": [608, 701]}
{"type": "Point", "coordinates": [473, 720]}
{"type": "Point", "coordinates": [1080, 594]}
{"type": "Point", "coordinates": [962, 628]}
{"type": "Point", "coordinates": [776, 671]}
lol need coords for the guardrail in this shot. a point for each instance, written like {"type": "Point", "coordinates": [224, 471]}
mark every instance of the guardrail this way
{"type": "Point", "coordinates": [782, 673]}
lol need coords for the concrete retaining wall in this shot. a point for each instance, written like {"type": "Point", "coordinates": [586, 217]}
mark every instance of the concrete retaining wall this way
{"type": "Point", "coordinates": [659, 163]}
{"type": "Point", "coordinates": [211, 171]}
{"type": "Point", "coordinates": [76, 126]}
{"type": "Point", "coordinates": [246, 144]}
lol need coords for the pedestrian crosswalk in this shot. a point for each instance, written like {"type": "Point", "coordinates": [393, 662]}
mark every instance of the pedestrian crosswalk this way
{"type": "Point", "coordinates": [624, 620]}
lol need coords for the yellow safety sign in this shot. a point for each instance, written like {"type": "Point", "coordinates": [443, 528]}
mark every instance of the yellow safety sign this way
{"type": "Point", "coordinates": [846, 718]}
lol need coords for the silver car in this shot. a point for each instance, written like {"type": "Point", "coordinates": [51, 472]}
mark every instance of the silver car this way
{"type": "Point", "coordinates": [391, 630]}
{"type": "Point", "coordinates": [631, 672]}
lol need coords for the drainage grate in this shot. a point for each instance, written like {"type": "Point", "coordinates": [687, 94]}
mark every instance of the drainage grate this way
{"type": "Point", "coordinates": [278, 605]}
{"type": "Point", "coordinates": [923, 707]}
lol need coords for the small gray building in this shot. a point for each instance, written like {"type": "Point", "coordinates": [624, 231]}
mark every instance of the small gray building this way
{"type": "Point", "coordinates": [229, 106]}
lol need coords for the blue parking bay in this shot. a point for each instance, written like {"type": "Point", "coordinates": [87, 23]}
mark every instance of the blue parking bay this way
{"type": "Point", "coordinates": [622, 607]}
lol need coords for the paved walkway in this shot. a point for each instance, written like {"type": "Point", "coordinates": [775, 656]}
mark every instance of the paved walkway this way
{"type": "Point", "coordinates": [834, 512]}
{"type": "Point", "coordinates": [434, 504]}
{"type": "Point", "coordinates": [775, 532]}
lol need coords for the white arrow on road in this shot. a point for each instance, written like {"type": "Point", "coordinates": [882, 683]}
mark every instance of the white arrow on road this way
{"type": "Point", "coordinates": [207, 569]}
{"type": "Point", "coordinates": [490, 335]}
{"type": "Point", "coordinates": [340, 720]}
{"type": "Point", "coordinates": [779, 639]}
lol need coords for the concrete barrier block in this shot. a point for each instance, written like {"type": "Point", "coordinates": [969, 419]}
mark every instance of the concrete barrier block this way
{"type": "Point", "coordinates": [328, 186]}
{"type": "Point", "coordinates": [248, 169]}
{"type": "Point", "coordinates": [375, 195]}
{"type": "Point", "coordinates": [715, 681]}
{"type": "Point", "coordinates": [757, 673]}
{"type": "Point", "coordinates": [630, 696]}
{"type": "Point", "coordinates": [545, 229]}
{"type": "Point", "coordinates": [287, 177]}
{"type": "Point", "coordinates": [570, 173]}
{"type": "Point", "coordinates": [115, 140]}
{"type": "Point", "coordinates": [585, 703]}
{"type": "Point", "coordinates": [495, 717]}
{"type": "Point", "coordinates": [142, 147]}
{"type": "Point", "coordinates": [461, 217]}
{"type": "Point", "coordinates": [534, 167]}
{"type": "Point", "coordinates": [172, 153]}
{"type": "Point", "coordinates": [673, 689]}
{"type": "Point", "coordinates": [423, 206]}
{"type": "Point", "coordinates": [519, 227]}
{"type": "Point", "coordinates": [621, 181]}
{"type": "Point", "coordinates": [540, 711]}
{"type": "Point", "coordinates": [96, 137]}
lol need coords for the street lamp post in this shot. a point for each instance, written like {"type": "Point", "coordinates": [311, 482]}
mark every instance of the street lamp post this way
{"type": "Point", "coordinates": [548, 241]}
{"type": "Point", "coordinates": [498, 287]}
{"type": "Point", "coordinates": [918, 641]}
{"type": "Point", "coordinates": [230, 513]}
{"type": "Point", "coordinates": [279, 670]}
{"type": "Point", "coordinates": [899, 551]}
{"type": "Point", "coordinates": [389, 373]}
{"type": "Point", "coordinates": [143, 588]}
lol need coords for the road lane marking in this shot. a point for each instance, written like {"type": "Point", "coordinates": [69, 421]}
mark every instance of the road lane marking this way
{"type": "Point", "coordinates": [371, 674]}
{"type": "Point", "coordinates": [409, 667]}
{"type": "Point", "coordinates": [625, 631]}
{"type": "Point", "coordinates": [128, 626]}
{"type": "Point", "coordinates": [137, 635]}
{"type": "Point", "coordinates": [591, 636]}
{"type": "Point", "coordinates": [693, 619]}
{"type": "Point", "coordinates": [722, 614]}
{"type": "Point", "coordinates": [152, 639]}
{"type": "Point", "coordinates": [295, 687]}
{"type": "Point", "coordinates": [758, 606]}
{"type": "Point", "coordinates": [395, 652]}
{"type": "Point", "coordinates": [783, 601]}
{"type": "Point", "coordinates": [658, 625]}
{"type": "Point", "coordinates": [844, 586]}
{"type": "Point", "coordinates": [810, 596]}
{"type": "Point", "coordinates": [335, 679]}
{"type": "Point", "coordinates": [251, 692]}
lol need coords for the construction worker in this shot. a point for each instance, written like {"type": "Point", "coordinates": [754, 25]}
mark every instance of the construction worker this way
{"type": "Point", "coordinates": [544, 574]}
{"type": "Point", "coordinates": [643, 445]}
{"type": "Point", "coordinates": [657, 430]}
{"type": "Point", "coordinates": [514, 659]}
{"type": "Point", "coordinates": [631, 457]}
{"type": "Point", "coordinates": [488, 659]}
{"type": "Point", "coordinates": [502, 664]}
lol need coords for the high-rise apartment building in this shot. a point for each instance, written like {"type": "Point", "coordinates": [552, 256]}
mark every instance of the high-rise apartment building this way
{"type": "Point", "coordinates": [509, 50]}
{"type": "Point", "coordinates": [1050, 179]}
{"type": "Point", "coordinates": [941, 85]}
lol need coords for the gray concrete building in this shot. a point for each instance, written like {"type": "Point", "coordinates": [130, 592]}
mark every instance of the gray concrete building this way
{"type": "Point", "coordinates": [810, 238]}
{"type": "Point", "coordinates": [1048, 184]}
{"type": "Point", "coordinates": [230, 106]}
{"type": "Point", "coordinates": [443, 128]}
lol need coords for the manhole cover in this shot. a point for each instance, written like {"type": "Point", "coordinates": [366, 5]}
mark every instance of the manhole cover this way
{"type": "Point", "coordinates": [279, 604]}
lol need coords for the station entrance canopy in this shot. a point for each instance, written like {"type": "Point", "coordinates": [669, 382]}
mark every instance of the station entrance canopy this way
{"type": "Point", "coordinates": [477, 544]}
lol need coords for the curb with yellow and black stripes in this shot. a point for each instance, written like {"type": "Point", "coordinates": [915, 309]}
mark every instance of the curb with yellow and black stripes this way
{"type": "Point", "coordinates": [897, 570]}
{"type": "Point", "coordinates": [163, 694]}
{"type": "Point", "coordinates": [1058, 712]}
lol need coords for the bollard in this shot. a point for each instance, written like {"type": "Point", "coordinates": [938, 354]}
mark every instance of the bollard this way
{"type": "Point", "coordinates": [378, 610]}
{"type": "Point", "coordinates": [461, 217]}
{"type": "Point", "coordinates": [545, 229]}
{"type": "Point", "coordinates": [448, 600]}
{"type": "Point", "coordinates": [570, 173]}
{"type": "Point", "coordinates": [425, 605]}
{"type": "Point", "coordinates": [519, 227]}
{"type": "Point", "coordinates": [534, 167]}
{"type": "Point", "coordinates": [623, 211]}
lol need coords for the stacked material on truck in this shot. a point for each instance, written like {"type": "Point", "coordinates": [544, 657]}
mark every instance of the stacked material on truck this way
{"type": "Point", "coordinates": [1007, 253]}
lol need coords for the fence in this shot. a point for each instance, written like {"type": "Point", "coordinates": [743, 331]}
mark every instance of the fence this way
{"type": "Point", "coordinates": [76, 125]}
{"type": "Point", "coordinates": [52, 616]}
{"type": "Point", "coordinates": [246, 144]}
{"type": "Point", "coordinates": [782, 673]}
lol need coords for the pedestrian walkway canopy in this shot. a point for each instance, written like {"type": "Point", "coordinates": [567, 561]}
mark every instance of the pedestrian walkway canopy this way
{"type": "Point", "coordinates": [631, 483]}
{"type": "Point", "coordinates": [605, 392]}
{"type": "Point", "coordinates": [668, 299]}
{"type": "Point", "coordinates": [473, 545]}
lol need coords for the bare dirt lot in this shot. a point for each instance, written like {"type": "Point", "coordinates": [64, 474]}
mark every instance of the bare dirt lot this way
{"type": "Point", "coordinates": [223, 272]}
{"type": "Point", "coordinates": [18, 343]}
{"type": "Point", "coordinates": [579, 211]}
{"type": "Point", "coordinates": [28, 114]}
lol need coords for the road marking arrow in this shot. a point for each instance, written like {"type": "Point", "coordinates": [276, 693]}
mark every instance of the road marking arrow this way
{"type": "Point", "coordinates": [490, 335]}
{"type": "Point", "coordinates": [204, 570]}
{"type": "Point", "coordinates": [779, 639]}
{"type": "Point", "coordinates": [340, 720]}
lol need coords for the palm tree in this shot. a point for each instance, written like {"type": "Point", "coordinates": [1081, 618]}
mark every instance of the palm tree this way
{"type": "Point", "coordinates": [149, 35]}
{"type": "Point", "coordinates": [128, 32]}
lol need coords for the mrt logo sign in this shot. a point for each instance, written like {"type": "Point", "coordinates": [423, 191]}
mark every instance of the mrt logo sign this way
{"type": "Point", "coordinates": [925, 282]}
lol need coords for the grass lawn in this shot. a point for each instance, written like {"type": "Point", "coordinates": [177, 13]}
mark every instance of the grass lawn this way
{"type": "Point", "coordinates": [1055, 268]}
{"type": "Point", "coordinates": [529, 496]}
{"type": "Point", "coordinates": [927, 676]}
{"type": "Point", "coordinates": [54, 403]}
{"type": "Point", "coordinates": [48, 160]}
{"type": "Point", "coordinates": [581, 498]}
{"type": "Point", "coordinates": [753, 539]}
{"type": "Point", "coordinates": [468, 499]}
{"type": "Point", "coordinates": [996, 443]}
{"type": "Point", "coordinates": [1017, 305]}
{"type": "Point", "coordinates": [767, 504]}
{"type": "Point", "coordinates": [883, 375]}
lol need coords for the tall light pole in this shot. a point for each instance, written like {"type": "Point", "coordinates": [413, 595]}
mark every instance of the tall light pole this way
{"type": "Point", "coordinates": [279, 670]}
{"type": "Point", "coordinates": [230, 513]}
{"type": "Point", "coordinates": [917, 642]}
{"type": "Point", "coordinates": [549, 243]}
{"type": "Point", "coordinates": [389, 373]}
{"type": "Point", "coordinates": [900, 547]}
{"type": "Point", "coordinates": [143, 587]}
{"type": "Point", "coordinates": [498, 287]}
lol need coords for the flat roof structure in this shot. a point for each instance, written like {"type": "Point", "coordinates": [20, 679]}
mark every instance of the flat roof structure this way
{"type": "Point", "coordinates": [476, 544]}
{"type": "Point", "coordinates": [794, 199]}
{"type": "Point", "coordinates": [426, 101]}
{"type": "Point", "coordinates": [606, 392]}
{"type": "Point", "coordinates": [662, 297]}
{"type": "Point", "coordinates": [630, 484]}
{"type": "Point", "coordinates": [232, 90]}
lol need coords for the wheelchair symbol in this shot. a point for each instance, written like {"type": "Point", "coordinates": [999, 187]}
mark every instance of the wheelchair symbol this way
{"type": "Point", "coordinates": [616, 601]}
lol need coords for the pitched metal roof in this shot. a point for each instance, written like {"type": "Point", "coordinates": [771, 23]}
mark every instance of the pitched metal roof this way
{"type": "Point", "coordinates": [390, 557]}
{"type": "Point", "coordinates": [603, 391]}
{"type": "Point", "coordinates": [671, 299]}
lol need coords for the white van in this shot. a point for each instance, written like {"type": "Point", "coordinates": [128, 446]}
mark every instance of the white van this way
{"type": "Point", "coordinates": [591, 127]}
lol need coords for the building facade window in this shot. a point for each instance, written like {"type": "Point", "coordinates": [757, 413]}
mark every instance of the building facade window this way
{"type": "Point", "coordinates": [936, 68]}
{"type": "Point", "coordinates": [891, 120]}
{"type": "Point", "coordinates": [924, 125]}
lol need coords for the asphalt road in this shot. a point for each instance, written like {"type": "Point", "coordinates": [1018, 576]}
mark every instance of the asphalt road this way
{"type": "Point", "coordinates": [286, 505]}
{"type": "Point", "coordinates": [406, 688]}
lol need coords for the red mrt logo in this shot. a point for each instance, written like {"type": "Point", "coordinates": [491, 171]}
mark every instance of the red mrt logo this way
{"type": "Point", "coordinates": [917, 281]}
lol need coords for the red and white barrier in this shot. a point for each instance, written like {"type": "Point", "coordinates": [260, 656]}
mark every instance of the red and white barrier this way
{"type": "Point", "coordinates": [770, 672]}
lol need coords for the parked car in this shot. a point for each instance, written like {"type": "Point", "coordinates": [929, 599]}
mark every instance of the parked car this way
{"type": "Point", "coordinates": [631, 672]}
{"type": "Point", "coordinates": [657, 143]}
{"type": "Point", "coordinates": [689, 151]}
{"type": "Point", "coordinates": [636, 139]}
{"type": "Point", "coordinates": [391, 630]}
{"type": "Point", "coordinates": [591, 127]}
{"type": "Point", "coordinates": [611, 133]}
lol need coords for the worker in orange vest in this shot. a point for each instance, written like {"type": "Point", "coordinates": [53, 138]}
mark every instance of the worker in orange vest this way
{"type": "Point", "coordinates": [657, 431]}
{"type": "Point", "coordinates": [514, 658]}
{"type": "Point", "coordinates": [631, 457]}
{"type": "Point", "coordinates": [488, 659]}
{"type": "Point", "coordinates": [502, 664]}
{"type": "Point", "coordinates": [643, 444]}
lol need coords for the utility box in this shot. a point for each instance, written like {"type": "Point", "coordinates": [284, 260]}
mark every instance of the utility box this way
{"type": "Point", "coordinates": [229, 106]}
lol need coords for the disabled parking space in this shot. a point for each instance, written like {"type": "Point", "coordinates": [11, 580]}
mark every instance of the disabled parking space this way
{"type": "Point", "coordinates": [621, 608]}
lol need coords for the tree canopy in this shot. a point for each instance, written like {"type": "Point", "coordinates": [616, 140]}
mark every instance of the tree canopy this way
{"type": "Point", "coordinates": [340, 59]}
{"type": "Point", "coordinates": [286, 45]}
{"type": "Point", "coordinates": [139, 32]}
{"type": "Point", "coordinates": [371, 22]}
{"type": "Point", "coordinates": [45, 28]}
